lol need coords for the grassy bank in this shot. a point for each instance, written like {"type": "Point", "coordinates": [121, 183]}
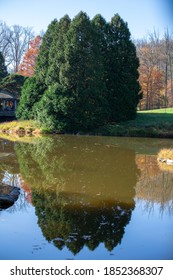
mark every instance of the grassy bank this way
{"type": "Point", "coordinates": [154, 123]}
{"type": "Point", "coordinates": [20, 128]}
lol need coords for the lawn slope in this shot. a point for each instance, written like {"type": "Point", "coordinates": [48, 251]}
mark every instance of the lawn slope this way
{"type": "Point", "coordinates": [151, 123]}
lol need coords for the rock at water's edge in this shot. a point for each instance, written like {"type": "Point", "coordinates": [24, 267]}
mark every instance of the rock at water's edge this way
{"type": "Point", "coordinates": [8, 195]}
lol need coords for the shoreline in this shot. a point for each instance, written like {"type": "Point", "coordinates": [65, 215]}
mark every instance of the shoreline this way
{"type": "Point", "coordinates": [124, 129]}
{"type": "Point", "coordinates": [156, 123]}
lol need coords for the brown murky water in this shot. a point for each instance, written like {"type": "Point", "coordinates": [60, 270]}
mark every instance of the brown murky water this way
{"type": "Point", "coordinates": [85, 197]}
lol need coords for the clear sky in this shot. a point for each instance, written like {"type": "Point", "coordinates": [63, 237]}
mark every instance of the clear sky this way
{"type": "Point", "coordinates": [141, 15]}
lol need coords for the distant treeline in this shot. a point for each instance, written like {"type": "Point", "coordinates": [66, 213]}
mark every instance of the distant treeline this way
{"type": "Point", "coordinates": [156, 70]}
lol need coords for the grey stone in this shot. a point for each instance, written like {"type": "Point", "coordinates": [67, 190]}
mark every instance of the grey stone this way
{"type": "Point", "coordinates": [8, 195]}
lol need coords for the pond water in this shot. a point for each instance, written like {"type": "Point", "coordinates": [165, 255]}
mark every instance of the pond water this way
{"type": "Point", "coordinates": [87, 197]}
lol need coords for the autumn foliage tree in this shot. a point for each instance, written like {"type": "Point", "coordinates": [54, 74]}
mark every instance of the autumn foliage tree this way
{"type": "Point", "coordinates": [27, 66]}
{"type": "Point", "coordinates": [156, 71]}
{"type": "Point", "coordinates": [14, 42]}
{"type": "Point", "coordinates": [151, 78]}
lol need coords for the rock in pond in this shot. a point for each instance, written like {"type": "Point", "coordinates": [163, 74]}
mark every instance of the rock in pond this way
{"type": "Point", "coordinates": [8, 195]}
{"type": "Point", "coordinates": [166, 160]}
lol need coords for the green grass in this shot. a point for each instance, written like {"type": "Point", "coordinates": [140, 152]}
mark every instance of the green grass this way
{"type": "Point", "coordinates": [160, 111]}
{"type": "Point", "coordinates": [160, 117]}
{"type": "Point", "coordinates": [151, 123]}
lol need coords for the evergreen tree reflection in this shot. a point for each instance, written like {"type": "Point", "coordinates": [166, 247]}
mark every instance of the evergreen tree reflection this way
{"type": "Point", "coordinates": [83, 191]}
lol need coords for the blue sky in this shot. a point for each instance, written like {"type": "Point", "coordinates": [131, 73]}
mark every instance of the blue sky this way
{"type": "Point", "coordinates": [142, 16]}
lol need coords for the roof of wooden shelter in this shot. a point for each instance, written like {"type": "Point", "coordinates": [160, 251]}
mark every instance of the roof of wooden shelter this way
{"type": "Point", "coordinates": [4, 94]}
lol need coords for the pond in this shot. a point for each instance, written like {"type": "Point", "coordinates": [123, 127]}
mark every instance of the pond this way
{"type": "Point", "coordinates": [87, 197]}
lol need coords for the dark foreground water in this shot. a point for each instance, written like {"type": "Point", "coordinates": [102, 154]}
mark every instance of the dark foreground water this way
{"type": "Point", "coordinates": [87, 197]}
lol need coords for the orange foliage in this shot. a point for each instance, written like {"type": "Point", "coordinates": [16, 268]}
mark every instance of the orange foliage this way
{"type": "Point", "coordinates": [152, 87]}
{"type": "Point", "coordinates": [27, 190]}
{"type": "Point", "coordinates": [147, 165]}
{"type": "Point", "coordinates": [26, 68]}
{"type": "Point", "coordinates": [151, 79]}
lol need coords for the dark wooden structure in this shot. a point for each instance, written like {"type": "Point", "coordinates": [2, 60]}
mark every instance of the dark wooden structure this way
{"type": "Point", "coordinates": [8, 103]}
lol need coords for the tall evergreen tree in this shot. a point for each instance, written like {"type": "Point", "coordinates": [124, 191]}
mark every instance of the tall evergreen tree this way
{"type": "Point", "coordinates": [82, 75]}
{"type": "Point", "coordinates": [122, 71]}
{"type": "Point", "coordinates": [3, 68]}
{"type": "Point", "coordinates": [56, 53]}
{"type": "Point", "coordinates": [86, 75]}
{"type": "Point", "coordinates": [35, 86]}
{"type": "Point", "coordinates": [102, 30]}
{"type": "Point", "coordinates": [53, 105]}
{"type": "Point", "coordinates": [43, 61]}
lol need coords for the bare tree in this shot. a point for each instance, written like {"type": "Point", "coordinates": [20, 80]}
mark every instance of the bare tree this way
{"type": "Point", "coordinates": [14, 42]}
{"type": "Point", "coordinates": [167, 64]}
{"type": "Point", "coordinates": [19, 43]}
{"type": "Point", "coordinates": [5, 36]}
{"type": "Point", "coordinates": [169, 40]}
{"type": "Point", "coordinates": [149, 70]}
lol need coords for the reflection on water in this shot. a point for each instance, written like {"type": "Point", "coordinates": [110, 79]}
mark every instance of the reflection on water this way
{"type": "Point", "coordinates": [81, 166]}
{"type": "Point", "coordinates": [67, 225]}
{"type": "Point", "coordinates": [84, 189]}
{"type": "Point", "coordinates": [79, 190]}
{"type": "Point", "coordinates": [154, 185]}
